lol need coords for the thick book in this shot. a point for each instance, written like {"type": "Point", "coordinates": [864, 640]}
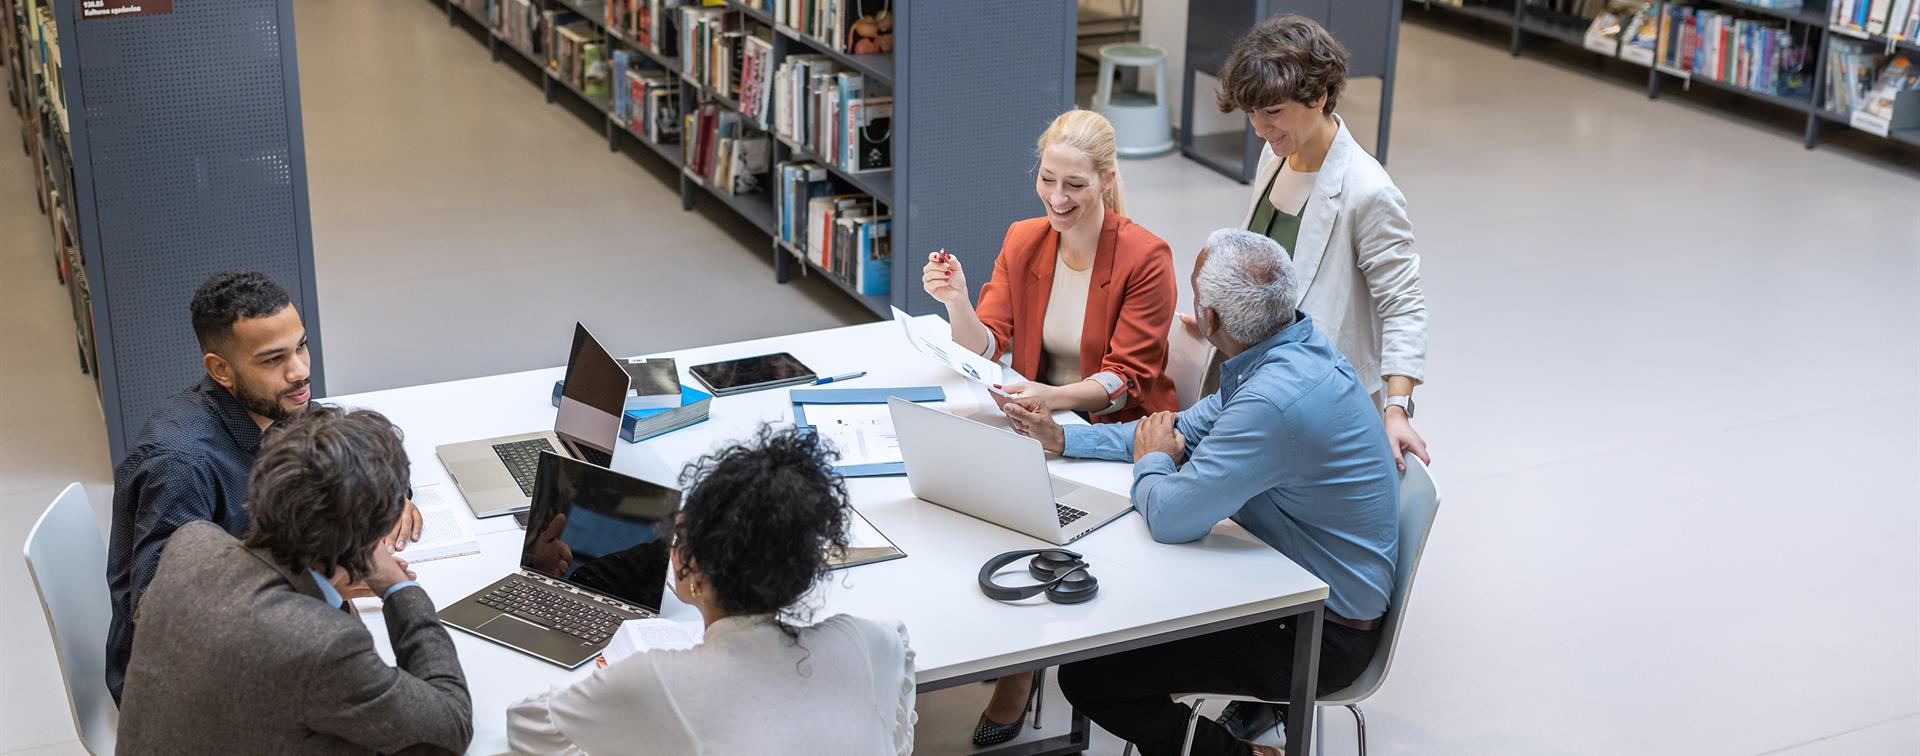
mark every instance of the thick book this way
{"type": "Point", "coordinates": [640, 425]}
{"type": "Point", "coordinates": [652, 383]}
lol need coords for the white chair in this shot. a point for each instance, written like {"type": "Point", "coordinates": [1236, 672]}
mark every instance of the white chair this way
{"type": "Point", "coordinates": [68, 564]}
{"type": "Point", "coordinates": [1187, 361]}
{"type": "Point", "coordinates": [1419, 502]}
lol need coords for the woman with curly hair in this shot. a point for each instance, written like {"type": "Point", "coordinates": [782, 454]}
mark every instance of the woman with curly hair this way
{"type": "Point", "coordinates": [755, 526]}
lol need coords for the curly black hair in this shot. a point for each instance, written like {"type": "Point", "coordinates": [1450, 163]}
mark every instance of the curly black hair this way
{"type": "Point", "coordinates": [758, 520]}
{"type": "Point", "coordinates": [327, 485]}
{"type": "Point", "coordinates": [230, 296]}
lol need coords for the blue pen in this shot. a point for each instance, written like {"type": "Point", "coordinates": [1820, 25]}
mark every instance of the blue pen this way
{"type": "Point", "coordinates": [832, 378]}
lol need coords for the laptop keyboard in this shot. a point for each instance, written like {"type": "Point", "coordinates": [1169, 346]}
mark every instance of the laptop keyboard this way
{"type": "Point", "coordinates": [1067, 514]}
{"type": "Point", "coordinates": [564, 613]}
{"type": "Point", "coordinates": [521, 459]}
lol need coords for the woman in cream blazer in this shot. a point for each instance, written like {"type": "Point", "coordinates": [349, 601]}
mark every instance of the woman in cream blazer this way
{"type": "Point", "coordinates": [1335, 210]}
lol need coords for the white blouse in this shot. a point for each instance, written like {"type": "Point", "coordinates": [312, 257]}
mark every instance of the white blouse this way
{"type": "Point", "coordinates": [845, 687]}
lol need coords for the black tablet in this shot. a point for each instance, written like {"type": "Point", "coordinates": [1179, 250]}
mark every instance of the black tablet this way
{"type": "Point", "coordinates": [753, 373]}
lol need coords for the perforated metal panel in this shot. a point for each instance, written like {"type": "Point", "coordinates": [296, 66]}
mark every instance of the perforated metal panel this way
{"type": "Point", "coordinates": [189, 161]}
{"type": "Point", "coordinates": [981, 80]}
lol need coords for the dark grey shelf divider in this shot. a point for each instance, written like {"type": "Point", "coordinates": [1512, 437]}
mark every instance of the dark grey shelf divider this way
{"type": "Point", "coordinates": [963, 128]}
{"type": "Point", "coordinates": [213, 85]}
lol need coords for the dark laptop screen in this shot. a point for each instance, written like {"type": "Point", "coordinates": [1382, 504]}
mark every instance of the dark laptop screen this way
{"type": "Point", "coordinates": [600, 530]}
{"type": "Point", "coordinates": [592, 400]}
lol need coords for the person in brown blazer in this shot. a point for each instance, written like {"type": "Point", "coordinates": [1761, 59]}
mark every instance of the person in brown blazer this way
{"type": "Point", "coordinates": [246, 647]}
{"type": "Point", "coordinates": [1082, 296]}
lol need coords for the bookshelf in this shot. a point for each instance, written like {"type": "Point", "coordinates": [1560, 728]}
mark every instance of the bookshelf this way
{"type": "Point", "coordinates": [1525, 19]}
{"type": "Point", "coordinates": [962, 136]}
{"type": "Point", "coordinates": [133, 234]}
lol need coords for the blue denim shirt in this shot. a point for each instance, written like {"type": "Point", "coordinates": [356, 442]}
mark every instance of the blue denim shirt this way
{"type": "Point", "coordinates": [1292, 449]}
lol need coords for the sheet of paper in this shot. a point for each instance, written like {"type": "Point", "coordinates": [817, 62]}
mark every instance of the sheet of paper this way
{"type": "Point", "coordinates": [655, 634]}
{"type": "Point", "coordinates": [865, 543]}
{"type": "Point", "coordinates": [937, 342]}
{"type": "Point", "coordinates": [862, 433]}
{"type": "Point", "coordinates": [444, 530]}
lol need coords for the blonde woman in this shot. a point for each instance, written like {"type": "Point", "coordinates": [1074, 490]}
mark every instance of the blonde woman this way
{"type": "Point", "coordinates": [1081, 296]}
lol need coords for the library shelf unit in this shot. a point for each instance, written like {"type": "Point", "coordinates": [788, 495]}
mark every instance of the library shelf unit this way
{"type": "Point", "coordinates": [964, 124]}
{"type": "Point", "coordinates": [1524, 19]}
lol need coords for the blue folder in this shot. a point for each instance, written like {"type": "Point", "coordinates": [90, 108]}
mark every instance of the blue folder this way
{"type": "Point", "coordinates": [805, 396]}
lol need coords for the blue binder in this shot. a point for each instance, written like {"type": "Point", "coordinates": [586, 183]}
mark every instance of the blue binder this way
{"type": "Point", "coordinates": [805, 396]}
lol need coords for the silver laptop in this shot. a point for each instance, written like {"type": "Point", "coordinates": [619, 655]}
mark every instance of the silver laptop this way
{"type": "Point", "coordinates": [996, 475]}
{"type": "Point", "coordinates": [594, 556]}
{"type": "Point", "coordinates": [496, 475]}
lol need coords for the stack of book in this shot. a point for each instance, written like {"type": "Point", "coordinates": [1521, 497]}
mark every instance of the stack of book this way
{"type": "Point", "coordinates": [860, 27]}
{"type": "Point", "coordinates": [1758, 55]}
{"type": "Point", "coordinates": [1872, 97]}
{"type": "Point", "coordinates": [725, 152]}
{"type": "Point", "coordinates": [638, 425]}
{"type": "Point", "coordinates": [648, 102]}
{"type": "Point", "coordinates": [843, 234]}
{"type": "Point", "coordinates": [652, 24]}
{"type": "Point", "coordinates": [829, 112]}
{"type": "Point", "coordinates": [1898, 19]}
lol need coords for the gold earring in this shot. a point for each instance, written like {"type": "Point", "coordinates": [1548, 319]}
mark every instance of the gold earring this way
{"type": "Point", "coordinates": [696, 591]}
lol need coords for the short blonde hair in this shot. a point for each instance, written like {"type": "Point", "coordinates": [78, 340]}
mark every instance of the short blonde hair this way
{"type": "Point", "coordinates": [1092, 135]}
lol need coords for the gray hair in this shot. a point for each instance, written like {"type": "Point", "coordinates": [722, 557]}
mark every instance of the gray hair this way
{"type": "Point", "coordinates": [1248, 281]}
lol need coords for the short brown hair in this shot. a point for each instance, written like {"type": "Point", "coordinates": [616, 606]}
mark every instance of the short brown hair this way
{"type": "Point", "coordinates": [327, 485]}
{"type": "Point", "coordinates": [1288, 57]}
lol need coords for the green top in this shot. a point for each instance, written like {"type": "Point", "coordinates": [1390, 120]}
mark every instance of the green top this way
{"type": "Point", "coordinates": [1277, 224]}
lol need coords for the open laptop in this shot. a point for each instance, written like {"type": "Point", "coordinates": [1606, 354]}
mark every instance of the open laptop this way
{"type": "Point", "coordinates": [495, 475]}
{"type": "Point", "coordinates": [595, 556]}
{"type": "Point", "coordinates": [996, 475]}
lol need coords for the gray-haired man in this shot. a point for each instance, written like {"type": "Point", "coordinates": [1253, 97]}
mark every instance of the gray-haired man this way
{"type": "Point", "coordinates": [1292, 449]}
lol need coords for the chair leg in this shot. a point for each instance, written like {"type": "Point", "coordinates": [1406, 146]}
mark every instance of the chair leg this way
{"type": "Point", "coordinates": [1359, 726]}
{"type": "Point", "coordinates": [1319, 732]}
{"type": "Point", "coordinates": [1193, 722]}
{"type": "Point", "coordinates": [1039, 697]}
{"type": "Point", "coordinates": [1128, 751]}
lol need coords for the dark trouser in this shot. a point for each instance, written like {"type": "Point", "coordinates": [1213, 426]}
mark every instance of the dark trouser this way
{"type": "Point", "coordinates": [1131, 693]}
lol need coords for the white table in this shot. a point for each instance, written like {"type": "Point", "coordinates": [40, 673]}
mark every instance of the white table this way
{"type": "Point", "coordinates": [1149, 592]}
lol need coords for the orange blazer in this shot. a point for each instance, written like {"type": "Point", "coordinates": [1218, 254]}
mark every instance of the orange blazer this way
{"type": "Point", "coordinates": [1130, 302]}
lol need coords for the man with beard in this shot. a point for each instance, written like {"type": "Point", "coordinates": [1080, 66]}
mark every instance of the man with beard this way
{"type": "Point", "coordinates": [192, 459]}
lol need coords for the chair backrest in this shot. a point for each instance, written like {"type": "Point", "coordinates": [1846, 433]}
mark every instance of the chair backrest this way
{"type": "Point", "coordinates": [1419, 502]}
{"type": "Point", "coordinates": [68, 563]}
{"type": "Point", "coordinates": [1187, 362]}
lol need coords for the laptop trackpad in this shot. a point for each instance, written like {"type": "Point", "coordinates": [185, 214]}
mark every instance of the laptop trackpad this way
{"type": "Point", "coordinates": [516, 632]}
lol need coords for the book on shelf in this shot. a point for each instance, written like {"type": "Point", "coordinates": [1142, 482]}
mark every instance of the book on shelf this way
{"type": "Point", "coordinates": [651, 102]}
{"type": "Point", "coordinates": [858, 27]}
{"type": "Point", "coordinates": [523, 26]}
{"type": "Point", "coordinates": [799, 184]}
{"type": "Point", "coordinates": [1896, 19]}
{"type": "Point", "coordinates": [1877, 97]}
{"type": "Point", "coordinates": [652, 24]}
{"type": "Point", "coordinates": [832, 113]}
{"type": "Point", "coordinates": [723, 151]}
{"type": "Point", "coordinates": [756, 80]}
{"type": "Point", "coordinates": [1760, 55]}
{"type": "Point", "coordinates": [1849, 76]}
{"type": "Point", "coordinates": [709, 41]}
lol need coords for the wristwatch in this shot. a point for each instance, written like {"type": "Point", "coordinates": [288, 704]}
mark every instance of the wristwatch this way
{"type": "Point", "coordinates": [1405, 403]}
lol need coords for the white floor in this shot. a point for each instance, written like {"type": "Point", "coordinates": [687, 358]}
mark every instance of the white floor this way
{"type": "Point", "coordinates": [1672, 396]}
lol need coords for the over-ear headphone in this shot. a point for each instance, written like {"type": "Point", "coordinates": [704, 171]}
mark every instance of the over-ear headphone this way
{"type": "Point", "coordinates": [1063, 575]}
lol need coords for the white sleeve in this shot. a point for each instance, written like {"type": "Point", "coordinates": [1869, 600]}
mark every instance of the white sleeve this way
{"type": "Point", "coordinates": [904, 716]}
{"type": "Point", "coordinates": [1383, 247]}
{"type": "Point", "coordinates": [531, 728]}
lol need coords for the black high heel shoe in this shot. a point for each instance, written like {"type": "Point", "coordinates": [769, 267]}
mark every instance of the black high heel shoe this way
{"type": "Point", "coordinates": [988, 732]}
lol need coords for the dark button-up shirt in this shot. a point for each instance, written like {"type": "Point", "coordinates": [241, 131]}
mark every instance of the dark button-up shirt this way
{"type": "Point", "coordinates": [190, 463]}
